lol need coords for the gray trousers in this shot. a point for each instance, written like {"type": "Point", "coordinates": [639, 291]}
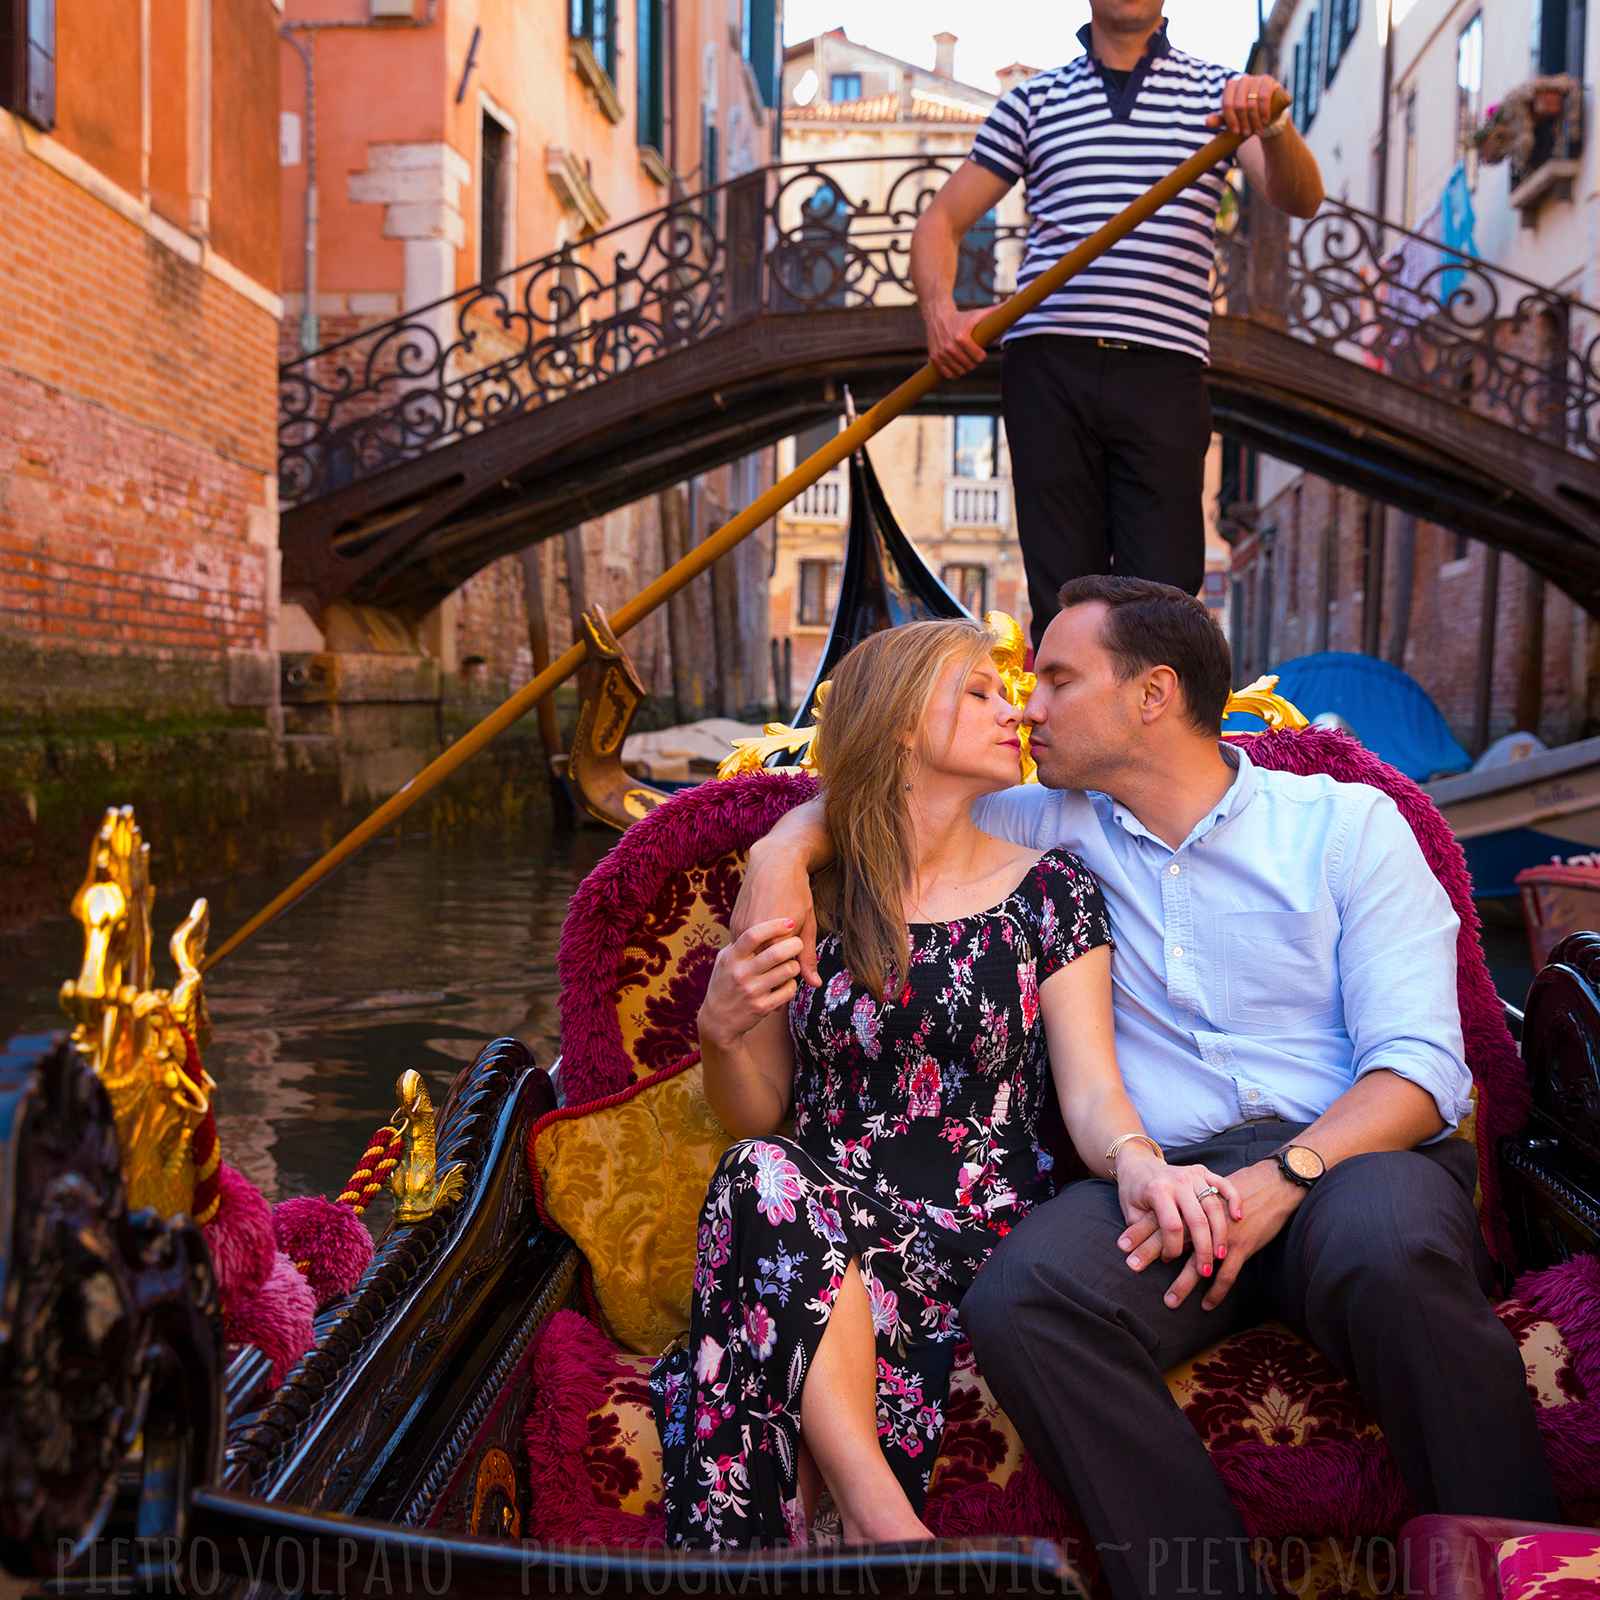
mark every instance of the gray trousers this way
{"type": "Point", "coordinates": [1381, 1267]}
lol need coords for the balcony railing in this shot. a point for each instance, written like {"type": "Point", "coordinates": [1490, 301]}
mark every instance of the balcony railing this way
{"type": "Point", "coordinates": [1550, 166]}
{"type": "Point", "coordinates": [977, 503]}
{"type": "Point", "coordinates": [827, 500]}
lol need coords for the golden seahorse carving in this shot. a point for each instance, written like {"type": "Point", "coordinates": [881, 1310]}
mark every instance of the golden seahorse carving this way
{"type": "Point", "coordinates": [133, 1034]}
{"type": "Point", "coordinates": [419, 1188]}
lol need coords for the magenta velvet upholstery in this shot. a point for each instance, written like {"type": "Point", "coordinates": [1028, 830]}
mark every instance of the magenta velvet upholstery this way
{"type": "Point", "coordinates": [693, 828]}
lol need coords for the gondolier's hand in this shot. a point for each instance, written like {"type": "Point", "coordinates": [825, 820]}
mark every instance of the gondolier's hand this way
{"type": "Point", "coordinates": [753, 976]}
{"type": "Point", "coordinates": [777, 883]}
{"type": "Point", "coordinates": [1163, 1209]}
{"type": "Point", "coordinates": [1266, 1204]}
{"type": "Point", "coordinates": [1246, 104]}
{"type": "Point", "coordinates": [951, 347]}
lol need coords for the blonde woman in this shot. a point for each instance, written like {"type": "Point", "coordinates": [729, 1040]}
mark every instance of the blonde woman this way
{"type": "Point", "coordinates": [960, 975]}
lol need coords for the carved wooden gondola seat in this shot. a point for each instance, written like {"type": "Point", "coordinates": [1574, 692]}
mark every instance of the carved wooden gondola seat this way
{"type": "Point", "coordinates": [622, 1167]}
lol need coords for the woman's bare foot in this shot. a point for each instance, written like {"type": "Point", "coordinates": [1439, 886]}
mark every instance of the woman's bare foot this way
{"type": "Point", "coordinates": [905, 1528]}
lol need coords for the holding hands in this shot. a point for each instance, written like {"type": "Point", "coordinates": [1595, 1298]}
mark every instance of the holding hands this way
{"type": "Point", "coordinates": [754, 976]}
{"type": "Point", "coordinates": [1167, 1208]}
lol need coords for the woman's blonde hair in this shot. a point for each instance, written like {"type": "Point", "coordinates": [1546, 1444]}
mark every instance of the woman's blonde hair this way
{"type": "Point", "coordinates": [879, 695]}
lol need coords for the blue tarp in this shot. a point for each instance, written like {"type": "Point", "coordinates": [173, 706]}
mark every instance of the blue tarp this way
{"type": "Point", "coordinates": [1388, 709]}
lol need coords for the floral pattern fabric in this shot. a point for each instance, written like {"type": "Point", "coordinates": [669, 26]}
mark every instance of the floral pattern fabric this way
{"type": "Point", "coordinates": [915, 1147]}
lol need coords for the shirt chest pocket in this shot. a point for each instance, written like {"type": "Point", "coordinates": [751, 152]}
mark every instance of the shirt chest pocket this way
{"type": "Point", "coordinates": [1278, 970]}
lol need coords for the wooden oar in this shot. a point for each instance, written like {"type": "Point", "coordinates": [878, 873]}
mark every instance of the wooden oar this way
{"type": "Point", "coordinates": [717, 545]}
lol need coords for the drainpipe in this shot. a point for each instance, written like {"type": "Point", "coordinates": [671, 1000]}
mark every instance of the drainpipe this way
{"type": "Point", "coordinates": [670, 8]}
{"type": "Point", "coordinates": [308, 317]}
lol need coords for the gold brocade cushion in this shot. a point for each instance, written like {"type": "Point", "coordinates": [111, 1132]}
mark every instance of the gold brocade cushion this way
{"type": "Point", "coordinates": [1263, 1386]}
{"type": "Point", "coordinates": [667, 963]}
{"type": "Point", "coordinates": [625, 1179]}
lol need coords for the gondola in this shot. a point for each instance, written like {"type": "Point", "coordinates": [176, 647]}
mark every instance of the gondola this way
{"type": "Point", "coordinates": [468, 1415]}
{"type": "Point", "coordinates": [203, 1394]}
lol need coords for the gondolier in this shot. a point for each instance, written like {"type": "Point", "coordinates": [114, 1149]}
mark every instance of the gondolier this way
{"type": "Point", "coordinates": [1103, 386]}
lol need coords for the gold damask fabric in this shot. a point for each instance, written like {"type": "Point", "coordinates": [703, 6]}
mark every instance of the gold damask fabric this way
{"type": "Point", "coordinates": [667, 963]}
{"type": "Point", "coordinates": [1262, 1386]}
{"type": "Point", "coordinates": [625, 1179]}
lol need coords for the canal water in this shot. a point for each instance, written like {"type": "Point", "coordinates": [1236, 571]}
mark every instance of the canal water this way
{"type": "Point", "coordinates": [414, 955]}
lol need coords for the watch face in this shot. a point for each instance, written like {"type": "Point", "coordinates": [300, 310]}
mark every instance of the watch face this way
{"type": "Point", "coordinates": [1303, 1163]}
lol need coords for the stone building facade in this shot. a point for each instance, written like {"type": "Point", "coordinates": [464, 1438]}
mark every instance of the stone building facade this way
{"type": "Point", "coordinates": [453, 143]}
{"type": "Point", "coordinates": [1390, 113]}
{"type": "Point", "coordinates": [140, 308]}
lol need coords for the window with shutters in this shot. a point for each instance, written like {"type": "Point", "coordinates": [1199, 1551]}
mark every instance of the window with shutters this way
{"type": "Point", "coordinates": [28, 59]}
{"type": "Point", "coordinates": [819, 592]}
{"type": "Point", "coordinates": [650, 63]}
{"type": "Point", "coordinates": [968, 581]}
{"type": "Point", "coordinates": [758, 43]}
{"type": "Point", "coordinates": [596, 22]}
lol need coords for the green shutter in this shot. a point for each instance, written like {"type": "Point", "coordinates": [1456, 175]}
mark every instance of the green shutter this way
{"type": "Point", "coordinates": [760, 38]}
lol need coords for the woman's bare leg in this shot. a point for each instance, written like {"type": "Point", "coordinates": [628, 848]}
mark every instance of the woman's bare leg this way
{"type": "Point", "coordinates": [839, 1419]}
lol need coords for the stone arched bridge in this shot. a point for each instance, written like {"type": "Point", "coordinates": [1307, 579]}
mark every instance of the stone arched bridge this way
{"type": "Point", "coordinates": [416, 452]}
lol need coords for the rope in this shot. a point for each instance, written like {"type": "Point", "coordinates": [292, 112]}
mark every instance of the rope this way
{"type": "Point", "coordinates": [380, 1158]}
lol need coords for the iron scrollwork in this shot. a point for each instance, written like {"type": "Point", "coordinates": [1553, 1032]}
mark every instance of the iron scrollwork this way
{"type": "Point", "coordinates": [818, 235]}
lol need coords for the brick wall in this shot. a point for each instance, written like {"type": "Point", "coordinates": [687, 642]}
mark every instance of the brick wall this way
{"type": "Point", "coordinates": [137, 441]}
{"type": "Point", "coordinates": [1318, 539]}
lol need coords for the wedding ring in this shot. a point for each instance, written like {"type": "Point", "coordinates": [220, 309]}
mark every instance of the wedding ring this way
{"type": "Point", "coordinates": [1252, 96]}
{"type": "Point", "coordinates": [1206, 1193]}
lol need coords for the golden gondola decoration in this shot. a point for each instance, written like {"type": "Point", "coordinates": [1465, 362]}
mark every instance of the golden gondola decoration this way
{"type": "Point", "coordinates": [142, 1042]}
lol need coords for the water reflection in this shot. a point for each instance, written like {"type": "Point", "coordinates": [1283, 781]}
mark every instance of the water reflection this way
{"type": "Point", "coordinates": [414, 955]}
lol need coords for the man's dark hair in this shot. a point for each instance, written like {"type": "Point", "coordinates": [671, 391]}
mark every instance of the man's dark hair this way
{"type": "Point", "coordinates": [1150, 624]}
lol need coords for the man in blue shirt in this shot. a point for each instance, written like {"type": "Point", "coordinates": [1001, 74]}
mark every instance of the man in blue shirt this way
{"type": "Point", "coordinates": [1286, 1013]}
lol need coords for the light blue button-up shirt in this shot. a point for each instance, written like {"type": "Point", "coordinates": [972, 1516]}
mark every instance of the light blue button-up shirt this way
{"type": "Point", "coordinates": [1294, 941]}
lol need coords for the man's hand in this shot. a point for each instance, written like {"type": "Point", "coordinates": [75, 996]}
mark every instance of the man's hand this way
{"type": "Point", "coordinates": [1267, 1200]}
{"type": "Point", "coordinates": [1162, 1206]}
{"type": "Point", "coordinates": [777, 887]}
{"type": "Point", "coordinates": [951, 347]}
{"type": "Point", "coordinates": [1246, 104]}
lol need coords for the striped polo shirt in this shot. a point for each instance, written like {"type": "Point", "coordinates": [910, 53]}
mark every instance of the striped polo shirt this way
{"type": "Point", "coordinates": [1087, 149]}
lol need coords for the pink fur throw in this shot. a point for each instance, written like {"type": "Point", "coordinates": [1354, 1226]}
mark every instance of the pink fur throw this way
{"type": "Point", "coordinates": [326, 1240]}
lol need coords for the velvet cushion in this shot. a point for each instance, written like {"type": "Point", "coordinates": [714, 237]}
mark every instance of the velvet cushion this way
{"type": "Point", "coordinates": [1550, 1566]}
{"type": "Point", "coordinates": [624, 1178]}
{"type": "Point", "coordinates": [1291, 1439]}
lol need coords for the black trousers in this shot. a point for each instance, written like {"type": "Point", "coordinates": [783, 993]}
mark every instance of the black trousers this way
{"type": "Point", "coordinates": [1382, 1268]}
{"type": "Point", "coordinates": [1108, 454]}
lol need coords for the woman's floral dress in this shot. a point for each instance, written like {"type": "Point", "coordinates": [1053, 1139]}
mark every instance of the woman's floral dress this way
{"type": "Point", "coordinates": [915, 1148]}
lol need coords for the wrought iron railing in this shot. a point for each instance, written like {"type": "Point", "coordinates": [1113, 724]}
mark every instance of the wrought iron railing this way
{"type": "Point", "coordinates": [1404, 305]}
{"type": "Point", "coordinates": [818, 235]}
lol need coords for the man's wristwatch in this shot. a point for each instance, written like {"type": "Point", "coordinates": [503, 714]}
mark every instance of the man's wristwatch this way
{"type": "Point", "coordinates": [1300, 1164]}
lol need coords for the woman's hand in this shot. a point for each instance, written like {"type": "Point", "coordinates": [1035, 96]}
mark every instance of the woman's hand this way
{"type": "Point", "coordinates": [1157, 1198]}
{"type": "Point", "coordinates": [777, 887]}
{"type": "Point", "coordinates": [753, 977]}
